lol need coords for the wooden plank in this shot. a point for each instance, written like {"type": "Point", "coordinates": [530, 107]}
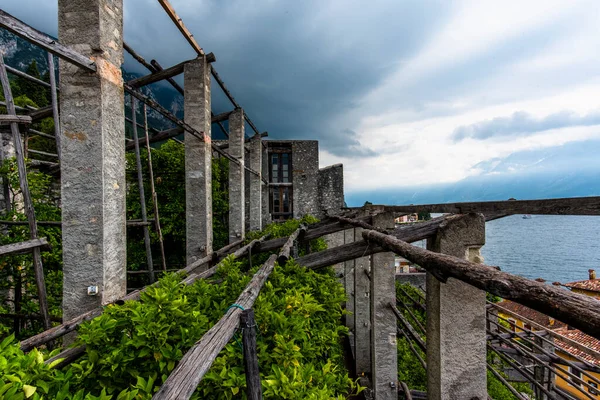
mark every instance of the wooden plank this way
{"type": "Point", "coordinates": [33, 132]}
{"type": "Point", "coordinates": [27, 202]}
{"type": "Point", "coordinates": [284, 254]}
{"type": "Point", "coordinates": [41, 113]}
{"type": "Point", "coordinates": [184, 379]}
{"type": "Point", "coordinates": [43, 153]}
{"type": "Point", "coordinates": [25, 247]}
{"type": "Point", "coordinates": [248, 325]}
{"type": "Point", "coordinates": [30, 78]}
{"type": "Point", "coordinates": [158, 76]}
{"type": "Point", "coordinates": [577, 310]}
{"type": "Point", "coordinates": [44, 41]}
{"type": "Point", "coordinates": [19, 119]}
{"type": "Point", "coordinates": [563, 206]}
{"type": "Point", "coordinates": [179, 24]}
{"type": "Point", "coordinates": [54, 103]}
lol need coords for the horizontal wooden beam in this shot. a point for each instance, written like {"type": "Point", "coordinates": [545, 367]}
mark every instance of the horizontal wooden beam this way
{"type": "Point", "coordinates": [24, 247]}
{"type": "Point", "coordinates": [43, 153]}
{"type": "Point", "coordinates": [19, 119]}
{"type": "Point", "coordinates": [44, 41]}
{"type": "Point", "coordinates": [564, 206]}
{"type": "Point", "coordinates": [41, 113]}
{"type": "Point", "coordinates": [158, 76]}
{"type": "Point", "coordinates": [577, 310]}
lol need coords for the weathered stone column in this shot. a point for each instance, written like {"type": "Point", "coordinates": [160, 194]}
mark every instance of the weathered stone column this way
{"type": "Point", "coordinates": [198, 161]}
{"type": "Point", "coordinates": [92, 156]}
{"type": "Point", "coordinates": [456, 363]}
{"type": "Point", "coordinates": [266, 216]}
{"type": "Point", "coordinates": [255, 200]}
{"type": "Point", "coordinates": [236, 176]}
{"type": "Point", "coordinates": [362, 313]}
{"type": "Point", "coordinates": [384, 354]}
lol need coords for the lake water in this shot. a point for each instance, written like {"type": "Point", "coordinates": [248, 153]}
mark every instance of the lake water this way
{"type": "Point", "coordinates": [555, 248]}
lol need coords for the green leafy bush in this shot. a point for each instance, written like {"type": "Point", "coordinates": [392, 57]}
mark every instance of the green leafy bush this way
{"type": "Point", "coordinates": [132, 348]}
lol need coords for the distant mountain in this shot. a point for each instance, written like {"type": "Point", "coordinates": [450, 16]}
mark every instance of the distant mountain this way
{"type": "Point", "coordinates": [571, 170]}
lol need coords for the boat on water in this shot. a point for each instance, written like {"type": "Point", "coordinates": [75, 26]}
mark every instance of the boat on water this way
{"type": "Point", "coordinates": [526, 216]}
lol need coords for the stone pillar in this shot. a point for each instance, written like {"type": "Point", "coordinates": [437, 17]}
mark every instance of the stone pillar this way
{"type": "Point", "coordinates": [198, 161]}
{"type": "Point", "coordinates": [266, 215]}
{"type": "Point", "coordinates": [384, 354]}
{"type": "Point", "coordinates": [236, 176]}
{"type": "Point", "coordinates": [456, 352]}
{"type": "Point", "coordinates": [362, 313]}
{"type": "Point", "coordinates": [305, 178]}
{"type": "Point", "coordinates": [92, 156]}
{"type": "Point", "coordinates": [255, 200]}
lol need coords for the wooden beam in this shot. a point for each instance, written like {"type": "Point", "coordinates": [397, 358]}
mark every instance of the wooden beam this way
{"type": "Point", "coordinates": [564, 206]}
{"type": "Point", "coordinates": [24, 247]}
{"type": "Point", "coordinates": [41, 113]}
{"type": "Point", "coordinates": [158, 76]}
{"type": "Point", "coordinates": [574, 309]}
{"type": "Point", "coordinates": [182, 28]}
{"type": "Point", "coordinates": [22, 74]}
{"type": "Point", "coordinates": [185, 378]}
{"type": "Point", "coordinates": [44, 41]}
{"type": "Point", "coordinates": [19, 119]}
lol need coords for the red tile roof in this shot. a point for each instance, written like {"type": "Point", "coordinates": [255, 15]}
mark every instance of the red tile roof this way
{"type": "Point", "coordinates": [593, 285]}
{"type": "Point", "coordinates": [533, 315]}
{"type": "Point", "coordinates": [581, 338]}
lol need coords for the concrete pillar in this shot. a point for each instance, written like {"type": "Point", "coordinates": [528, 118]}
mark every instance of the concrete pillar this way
{"type": "Point", "coordinates": [236, 177]}
{"type": "Point", "coordinates": [362, 313]}
{"type": "Point", "coordinates": [384, 354]}
{"type": "Point", "coordinates": [256, 150]}
{"type": "Point", "coordinates": [93, 156]}
{"type": "Point", "coordinates": [198, 161]}
{"type": "Point", "coordinates": [456, 352]}
{"type": "Point", "coordinates": [266, 215]}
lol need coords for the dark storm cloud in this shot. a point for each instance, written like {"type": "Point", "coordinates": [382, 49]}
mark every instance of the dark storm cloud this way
{"type": "Point", "coordinates": [521, 123]}
{"type": "Point", "coordinates": [293, 66]}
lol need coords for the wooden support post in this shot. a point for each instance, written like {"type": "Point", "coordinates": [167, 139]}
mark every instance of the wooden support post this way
{"type": "Point", "coordinates": [237, 229]}
{"type": "Point", "coordinates": [456, 354]}
{"type": "Point", "coordinates": [27, 202]}
{"type": "Point", "coordinates": [140, 176]}
{"type": "Point", "coordinates": [55, 113]}
{"type": "Point", "coordinates": [153, 190]}
{"type": "Point", "coordinates": [362, 314]}
{"type": "Point", "coordinates": [248, 325]}
{"type": "Point", "coordinates": [349, 284]}
{"type": "Point", "coordinates": [384, 358]}
{"type": "Point", "coordinates": [198, 161]}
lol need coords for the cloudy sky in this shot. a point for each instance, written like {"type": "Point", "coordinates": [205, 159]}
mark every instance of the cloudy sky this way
{"type": "Point", "coordinates": [401, 92]}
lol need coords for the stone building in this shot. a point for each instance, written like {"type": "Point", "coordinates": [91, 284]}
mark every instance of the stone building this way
{"type": "Point", "coordinates": [296, 184]}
